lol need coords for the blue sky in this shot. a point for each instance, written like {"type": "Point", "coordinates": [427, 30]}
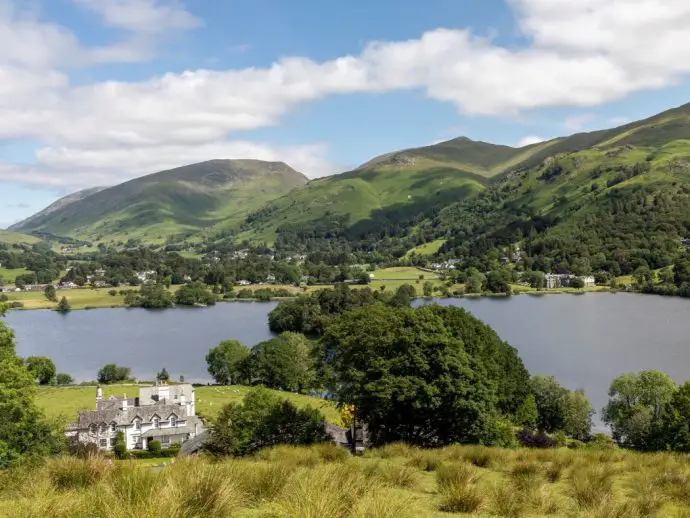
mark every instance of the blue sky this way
{"type": "Point", "coordinates": [96, 92]}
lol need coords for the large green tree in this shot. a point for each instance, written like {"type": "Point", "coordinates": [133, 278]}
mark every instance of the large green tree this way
{"type": "Point", "coordinates": [42, 368]}
{"type": "Point", "coordinates": [283, 363]}
{"type": "Point", "coordinates": [194, 293]}
{"type": "Point", "coordinates": [264, 420]}
{"type": "Point", "coordinates": [112, 373]}
{"type": "Point", "coordinates": [409, 377]}
{"type": "Point", "coordinates": [226, 362]}
{"type": "Point", "coordinates": [636, 406]}
{"type": "Point", "coordinates": [24, 432]}
{"type": "Point", "coordinates": [559, 409]}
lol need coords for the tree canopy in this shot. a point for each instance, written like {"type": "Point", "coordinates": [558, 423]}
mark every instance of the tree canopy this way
{"type": "Point", "coordinates": [226, 362]}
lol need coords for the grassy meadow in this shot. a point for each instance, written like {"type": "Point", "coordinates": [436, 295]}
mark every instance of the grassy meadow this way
{"type": "Point", "coordinates": [78, 298]}
{"type": "Point", "coordinates": [13, 238]}
{"type": "Point", "coordinates": [326, 482]}
{"type": "Point", "coordinates": [65, 402]}
{"type": "Point", "coordinates": [10, 275]}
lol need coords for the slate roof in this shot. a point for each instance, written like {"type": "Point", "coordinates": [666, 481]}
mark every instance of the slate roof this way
{"type": "Point", "coordinates": [127, 416]}
{"type": "Point", "coordinates": [162, 432]}
{"type": "Point", "coordinates": [146, 394]}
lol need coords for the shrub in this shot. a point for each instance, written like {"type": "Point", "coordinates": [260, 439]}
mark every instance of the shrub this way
{"type": "Point", "coordinates": [64, 379]}
{"type": "Point", "coordinates": [395, 475]}
{"type": "Point", "coordinates": [112, 293]}
{"type": "Point", "coordinates": [120, 448]}
{"type": "Point", "coordinates": [154, 448]}
{"type": "Point", "coordinates": [529, 439]}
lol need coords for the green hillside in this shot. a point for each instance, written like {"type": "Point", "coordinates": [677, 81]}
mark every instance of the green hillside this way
{"type": "Point", "coordinates": [390, 190]}
{"type": "Point", "coordinates": [7, 236]}
{"type": "Point", "coordinates": [620, 201]}
{"type": "Point", "coordinates": [179, 201]}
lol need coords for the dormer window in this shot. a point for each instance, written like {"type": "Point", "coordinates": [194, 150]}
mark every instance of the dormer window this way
{"type": "Point", "coordinates": [104, 427]}
{"type": "Point", "coordinates": [156, 422]}
{"type": "Point", "coordinates": [93, 429]}
{"type": "Point", "coordinates": [173, 421]}
{"type": "Point", "coordinates": [137, 424]}
{"type": "Point", "coordinates": [113, 427]}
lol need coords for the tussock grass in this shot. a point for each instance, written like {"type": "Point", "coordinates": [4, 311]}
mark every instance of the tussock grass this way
{"type": "Point", "coordinates": [325, 481]}
{"type": "Point", "coordinates": [458, 486]}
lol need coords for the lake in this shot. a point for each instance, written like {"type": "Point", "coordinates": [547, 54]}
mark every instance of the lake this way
{"type": "Point", "coordinates": [583, 340]}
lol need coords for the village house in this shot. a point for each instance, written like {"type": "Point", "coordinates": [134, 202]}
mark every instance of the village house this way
{"type": "Point", "coordinates": [165, 413]}
{"type": "Point", "coordinates": [555, 280]}
{"type": "Point", "coordinates": [146, 276]}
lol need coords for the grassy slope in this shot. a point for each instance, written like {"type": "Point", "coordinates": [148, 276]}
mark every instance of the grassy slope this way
{"type": "Point", "coordinates": [67, 401]}
{"type": "Point", "coordinates": [396, 481]}
{"type": "Point", "coordinates": [427, 248]}
{"type": "Point", "coordinates": [10, 275]}
{"type": "Point", "coordinates": [7, 236]}
{"type": "Point", "coordinates": [185, 199]}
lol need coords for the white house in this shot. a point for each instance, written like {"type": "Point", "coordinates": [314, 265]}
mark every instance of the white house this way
{"type": "Point", "coordinates": [166, 413]}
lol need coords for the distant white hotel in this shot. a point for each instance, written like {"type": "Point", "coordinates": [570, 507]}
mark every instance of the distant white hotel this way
{"type": "Point", "coordinates": [555, 280]}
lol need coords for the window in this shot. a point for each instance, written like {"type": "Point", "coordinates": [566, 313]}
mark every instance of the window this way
{"type": "Point", "coordinates": [173, 421]}
{"type": "Point", "coordinates": [165, 441]}
{"type": "Point", "coordinates": [93, 429]}
{"type": "Point", "coordinates": [156, 422]}
{"type": "Point", "coordinates": [112, 441]}
{"type": "Point", "coordinates": [104, 427]}
{"type": "Point", "coordinates": [137, 424]}
{"type": "Point", "coordinates": [104, 443]}
{"type": "Point", "coordinates": [113, 427]}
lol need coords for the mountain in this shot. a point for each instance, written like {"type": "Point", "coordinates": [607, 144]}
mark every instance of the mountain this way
{"type": "Point", "coordinates": [612, 200]}
{"type": "Point", "coordinates": [184, 200]}
{"type": "Point", "coordinates": [62, 202]}
{"type": "Point", "coordinates": [388, 191]}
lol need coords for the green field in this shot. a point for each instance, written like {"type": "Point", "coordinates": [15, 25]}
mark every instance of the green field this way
{"type": "Point", "coordinates": [403, 273]}
{"type": "Point", "coordinates": [324, 481]}
{"type": "Point", "coordinates": [67, 401]}
{"type": "Point", "coordinates": [7, 236]}
{"type": "Point", "coordinates": [78, 298]}
{"type": "Point", "coordinates": [10, 275]}
{"type": "Point", "coordinates": [426, 249]}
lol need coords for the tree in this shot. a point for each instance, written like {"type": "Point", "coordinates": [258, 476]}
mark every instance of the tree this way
{"type": "Point", "coordinates": [111, 373]}
{"type": "Point", "coordinates": [263, 420]}
{"type": "Point", "coordinates": [636, 406]}
{"type": "Point", "coordinates": [475, 281]}
{"type": "Point", "coordinates": [42, 368]}
{"type": "Point", "coordinates": [404, 295]}
{"type": "Point", "coordinates": [577, 283]}
{"type": "Point", "coordinates": [283, 363]}
{"type": "Point", "coordinates": [24, 432]}
{"type": "Point", "coordinates": [49, 293]}
{"type": "Point", "coordinates": [527, 414]}
{"type": "Point", "coordinates": [163, 375]}
{"type": "Point", "coordinates": [194, 293]}
{"type": "Point", "coordinates": [63, 306]}
{"type": "Point", "coordinates": [120, 447]}
{"type": "Point", "coordinates": [64, 379]}
{"type": "Point", "coordinates": [428, 289]}
{"type": "Point", "coordinates": [408, 377]}
{"type": "Point", "coordinates": [560, 409]}
{"type": "Point", "coordinates": [226, 362]}
{"type": "Point", "coordinates": [675, 427]}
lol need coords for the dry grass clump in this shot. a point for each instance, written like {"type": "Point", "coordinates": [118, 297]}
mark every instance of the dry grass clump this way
{"type": "Point", "coordinates": [68, 473]}
{"type": "Point", "coordinates": [326, 491]}
{"type": "Point", "coordinates": [457, 485]}
{"type": "Point", "coordinates": [326, 482]}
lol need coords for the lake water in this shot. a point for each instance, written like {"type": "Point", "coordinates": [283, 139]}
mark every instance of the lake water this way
{"type": "Point", "coordinates": [583, 340]}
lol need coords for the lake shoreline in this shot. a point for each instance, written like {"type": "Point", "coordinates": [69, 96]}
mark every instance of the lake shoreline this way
{"type": "Point", "coordinates": [532, 293]}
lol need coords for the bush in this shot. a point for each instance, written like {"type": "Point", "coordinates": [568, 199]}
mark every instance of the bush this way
{"type": "Point", "coordinates": [64, 379]}
{"type": "Point", "coordinates": [154, 448]}
{"type": "Point", "coordinates": [529, 439]}
{"type": "Point", "coordinates": [261, 421]}
{"type": "Point", "coordinates": [120, 448]}
{"type": "Point", "coordinates": [112, 293]}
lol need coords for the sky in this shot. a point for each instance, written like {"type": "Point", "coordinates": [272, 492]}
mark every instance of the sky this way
{"type": "Point", "coordinates": [96, 92]}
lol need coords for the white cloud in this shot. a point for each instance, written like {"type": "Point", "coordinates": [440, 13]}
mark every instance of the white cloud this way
{"type": "Point", "coordinates": [578, 122]}
{"type": "Point", "coordinates": [529, 140]}
{"type": "Point", "coordinates": [579, 54]}
{"type": "Point", "coordinates": [149, 16]}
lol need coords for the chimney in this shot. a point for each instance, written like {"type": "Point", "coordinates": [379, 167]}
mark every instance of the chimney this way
{"type": "Point", "coordinates": [183, 400]}
{"type": "Point", "coordinates": [99, 394]}
{"type": "Point", "coordinates": [124, 402]}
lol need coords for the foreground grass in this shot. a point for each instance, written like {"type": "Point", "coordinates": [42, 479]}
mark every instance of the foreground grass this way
{"type": "Point", "coordinates": [65, 402]}
{"type": "Point", "coordinates": [392, 482]}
